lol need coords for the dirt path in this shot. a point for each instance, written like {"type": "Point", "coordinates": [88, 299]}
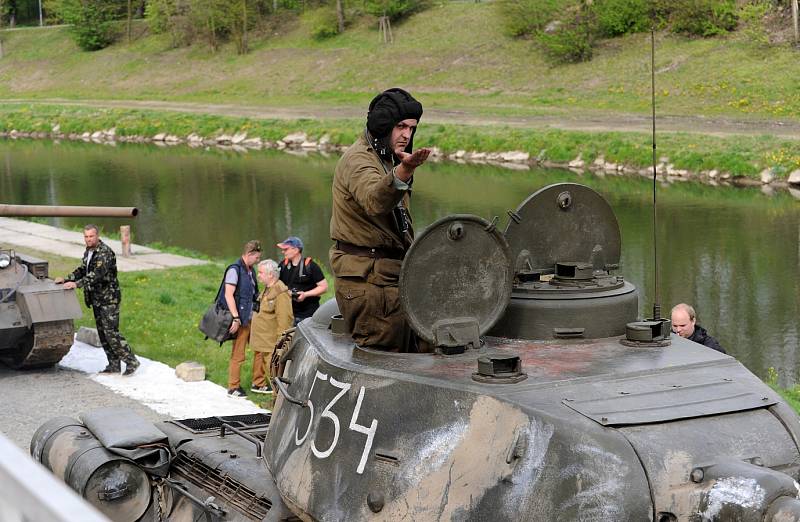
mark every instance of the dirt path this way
{"type": "Point", "coordinates": [594, 122]}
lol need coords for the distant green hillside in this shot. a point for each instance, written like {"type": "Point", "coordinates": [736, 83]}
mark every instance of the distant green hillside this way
{"type": "Point", "coordinates": [453, 56]}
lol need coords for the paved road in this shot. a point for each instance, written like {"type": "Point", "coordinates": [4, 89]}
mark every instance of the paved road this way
{"type": "Point", "coordinates": [28, 399]}
{"type": "Point", "coordinates": [583, 120]}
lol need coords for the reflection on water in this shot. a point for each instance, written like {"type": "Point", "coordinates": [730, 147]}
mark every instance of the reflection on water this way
{"type": "Point", "coordinates": [732, 253]}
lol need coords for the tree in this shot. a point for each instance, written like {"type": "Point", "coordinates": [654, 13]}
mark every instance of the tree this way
{"type": "Point", "coordinates": [340, 15]}
{"type": "Point", "coordinates": [130, 19]}
{"type": "Point", "coordinates": [91, 20]}
{"type": "Point", "coordinates": [1, 27]}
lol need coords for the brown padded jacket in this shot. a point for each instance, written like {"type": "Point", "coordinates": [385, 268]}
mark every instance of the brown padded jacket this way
{"type": "Point", "coordinates": [274, 316]}
{"type": "Point", "coordinates": [363, 201]}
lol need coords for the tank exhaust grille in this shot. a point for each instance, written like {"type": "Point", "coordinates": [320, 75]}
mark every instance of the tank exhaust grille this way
{"type": "Point", "coordinates": [207, 424]}
{"type": "Point", "coordinates": [231, 492]}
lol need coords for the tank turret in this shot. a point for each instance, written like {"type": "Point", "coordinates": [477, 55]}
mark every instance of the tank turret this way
{"type": "Point", "coordinates": [36, 315]}
{"type": "Point", "coordinates": [542, 398]}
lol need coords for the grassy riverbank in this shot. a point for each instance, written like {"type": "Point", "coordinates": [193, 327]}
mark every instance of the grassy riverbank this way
{"type": "Point", "coordinates": [160, 312]}
{"type": "Point", "coordinates": [455, 57]}
{"type": "Point", "coordinates": [743, 156]}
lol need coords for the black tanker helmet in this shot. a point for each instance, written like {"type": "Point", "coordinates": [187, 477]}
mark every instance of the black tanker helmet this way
{"type": "Point", "coordinates": [385, 111]}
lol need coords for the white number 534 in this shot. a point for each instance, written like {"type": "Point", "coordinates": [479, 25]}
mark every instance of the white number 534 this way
{"type": "Point", "coordinates": [328, 416]}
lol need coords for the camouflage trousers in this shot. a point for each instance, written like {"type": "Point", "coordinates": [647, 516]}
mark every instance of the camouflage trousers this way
{"type": "Point", "coordinates": [106, 317]}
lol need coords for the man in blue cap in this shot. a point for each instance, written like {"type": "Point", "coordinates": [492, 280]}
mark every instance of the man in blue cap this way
{"type": "Point", "coordinates": [303, 277]}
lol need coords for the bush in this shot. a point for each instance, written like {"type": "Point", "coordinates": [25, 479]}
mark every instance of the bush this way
{"type": "Point", "coordinates": [618, 17]}
{"type": "Point", "coordinates": [323, 23]}
{"type": "Point", "coordinates": [570, 42]}
{"type": "Point", "coordinates": [157, 13]}
{"type": "Point", "coordinates": [394, 9]}
{"type": "Point", "coordinates": [528, 17]}
{"type": "Point", "coordinates": [211, 20]}
{"type": "Point", "coordinates": [92, 22]}
{"type": "Point", "coordinates": [751, 17]}
{"type": "Point", "coordinates": [702, 17]}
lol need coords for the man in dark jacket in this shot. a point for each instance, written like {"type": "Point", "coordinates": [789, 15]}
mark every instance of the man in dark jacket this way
{"type": "Point", "coordinates": [684, 324]}
{"type": "Point", "coordinates": [97, 275]}
{"type": "Point", "coordinates": [238, 294]}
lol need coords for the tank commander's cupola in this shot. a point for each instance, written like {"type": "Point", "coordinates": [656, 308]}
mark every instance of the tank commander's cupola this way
{"type": "Point", "coordinates": [565, 243]}
{"type": "Point", "coordinates": [549, 276]}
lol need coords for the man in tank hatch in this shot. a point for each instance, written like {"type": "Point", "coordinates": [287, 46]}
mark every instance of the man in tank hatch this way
{"type": "Point", "coordinates": [370, 222]}
{"type": "Point", "coordinates": [684, 324]}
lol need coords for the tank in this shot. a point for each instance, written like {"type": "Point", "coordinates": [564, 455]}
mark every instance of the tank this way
{"type": "Point", "coordinates": [36, 315]}
{"type": "Point", "coordinates": [543, 397]}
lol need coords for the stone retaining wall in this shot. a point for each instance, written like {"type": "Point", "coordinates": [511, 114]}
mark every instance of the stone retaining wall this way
{"type": "Point", "coordinates": [299, 143]}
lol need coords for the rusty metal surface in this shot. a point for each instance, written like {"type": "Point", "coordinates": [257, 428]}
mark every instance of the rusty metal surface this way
{"type": "Point", "coordinates": [390, 426]}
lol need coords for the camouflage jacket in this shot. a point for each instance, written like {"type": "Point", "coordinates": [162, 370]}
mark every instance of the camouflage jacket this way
{"type": "Point", "coordinates": [98, 277]}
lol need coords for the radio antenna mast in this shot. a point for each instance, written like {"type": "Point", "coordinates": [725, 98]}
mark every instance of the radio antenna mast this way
{"type": "Point", "coordinates": [657, 300]}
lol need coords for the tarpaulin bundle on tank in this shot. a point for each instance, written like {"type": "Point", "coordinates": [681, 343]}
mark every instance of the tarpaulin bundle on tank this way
{"type": "Point", "coordinates": [128, 435]}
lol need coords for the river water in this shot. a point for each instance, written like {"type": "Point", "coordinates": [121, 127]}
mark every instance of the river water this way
{"type": "Point", "coordinates": [733, 253]}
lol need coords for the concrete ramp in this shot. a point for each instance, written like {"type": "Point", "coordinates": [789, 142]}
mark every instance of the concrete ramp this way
{"type": "Point", "coordinates": [68, 243]}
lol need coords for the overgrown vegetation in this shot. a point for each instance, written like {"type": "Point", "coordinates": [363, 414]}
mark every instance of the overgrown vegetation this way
{"type": "Point", "coordinates": [700, 17]}
{"type": "Point", "coordinates": [96, 24]}
{"type": "Point", "coordinates": [567, 29]}
{"type": "Point", "coordinates": [92, 23]}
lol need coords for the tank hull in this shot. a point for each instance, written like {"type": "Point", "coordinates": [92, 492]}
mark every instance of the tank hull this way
{"type": "Point", "coordinates": [551, 447]}
{"type": "Point", "coordinates": [36, 316]}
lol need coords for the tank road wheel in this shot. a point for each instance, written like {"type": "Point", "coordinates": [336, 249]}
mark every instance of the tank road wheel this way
{"type": "Point", "coordinates": [44, 346]}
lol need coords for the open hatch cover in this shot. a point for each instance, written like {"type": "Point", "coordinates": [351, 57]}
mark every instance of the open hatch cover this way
{"type": "Point", "coordinates": [455, 281]}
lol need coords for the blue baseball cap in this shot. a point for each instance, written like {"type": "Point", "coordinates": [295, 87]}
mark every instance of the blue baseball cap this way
{"type": "Point", "coordinates": [291, 241]}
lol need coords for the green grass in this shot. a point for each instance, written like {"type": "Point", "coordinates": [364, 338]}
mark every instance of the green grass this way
{"type": "Point", "coordinates": [454, 56]}
{"type": "Point", "coordinates": [160, 312]}
{"type": "Point", "coordinates": [738, 155]}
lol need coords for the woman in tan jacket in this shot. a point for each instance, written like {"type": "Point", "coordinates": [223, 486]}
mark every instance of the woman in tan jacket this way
{"type": "Point", "coordinates": [274, 316]}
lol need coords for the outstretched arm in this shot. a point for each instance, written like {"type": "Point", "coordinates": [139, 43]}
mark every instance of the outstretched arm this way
{"type": "Point", "coordinates": [409, 162]}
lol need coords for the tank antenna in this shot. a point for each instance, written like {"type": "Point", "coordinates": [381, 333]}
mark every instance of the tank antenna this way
{"type": "Point", "coordinates": [657, 301]}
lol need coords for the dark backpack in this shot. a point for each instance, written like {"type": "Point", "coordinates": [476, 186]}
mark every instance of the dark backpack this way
{"type": "Point", "coordinates": [216, 322]}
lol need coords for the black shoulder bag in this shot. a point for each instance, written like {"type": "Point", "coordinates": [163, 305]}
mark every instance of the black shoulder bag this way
{"type": "Point", "coordinates": [216, 322]}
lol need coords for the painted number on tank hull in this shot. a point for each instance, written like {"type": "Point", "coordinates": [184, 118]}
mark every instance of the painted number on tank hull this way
{"type": "Point", "coordinates": [329, 416]}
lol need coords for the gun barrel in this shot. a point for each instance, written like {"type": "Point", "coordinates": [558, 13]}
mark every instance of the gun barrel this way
{"type": "Point", "coordinates": [66, 211]}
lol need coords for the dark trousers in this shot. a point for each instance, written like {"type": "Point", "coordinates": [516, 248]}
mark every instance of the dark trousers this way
{"type": "Point", "coordinates": [372, 314]}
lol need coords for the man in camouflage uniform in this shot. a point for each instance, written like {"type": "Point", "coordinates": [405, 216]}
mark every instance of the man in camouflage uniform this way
{"type": "Point", "coordinates": [97, 275]}
{"type": "Point", "coordinates": [370, 223]}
